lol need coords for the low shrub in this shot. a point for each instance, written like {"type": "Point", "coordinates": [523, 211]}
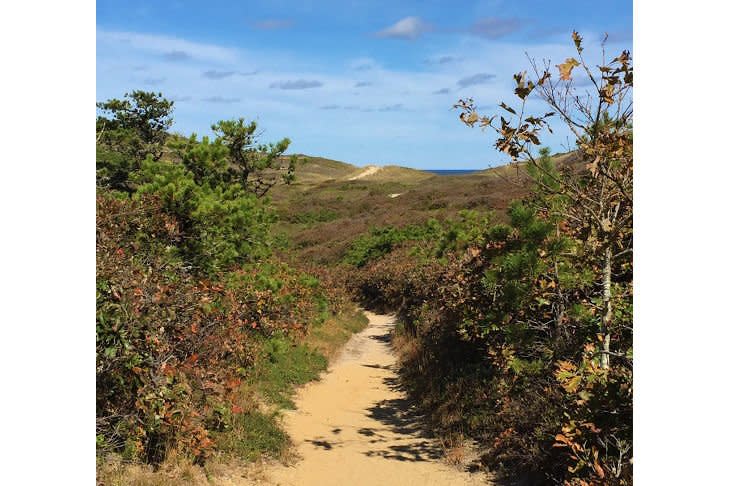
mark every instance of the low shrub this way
{"type": "Point", "coordinates": [175, 349]}
{"type": "Point", "coordinates": [505, 346]}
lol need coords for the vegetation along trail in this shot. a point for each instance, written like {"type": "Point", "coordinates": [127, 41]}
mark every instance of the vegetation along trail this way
{"type": "Point", "coordinates": [356, 426]}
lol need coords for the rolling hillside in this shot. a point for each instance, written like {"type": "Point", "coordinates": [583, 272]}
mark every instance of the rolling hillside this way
{"type": "Point", "coordinates": [331, 202]}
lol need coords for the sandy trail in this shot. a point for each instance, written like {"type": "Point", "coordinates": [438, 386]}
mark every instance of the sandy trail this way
{"type": "Point", "coordinates": [355, 427]}
{"type": "Point", "coordinates": [369, 170]}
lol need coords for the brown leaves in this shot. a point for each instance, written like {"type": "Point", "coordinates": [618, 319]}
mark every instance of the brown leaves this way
{"type": "Point", "coordinates": [544, 78]}
{"type": "Point", "coordinates": [565, 69]}
{"type": "Point", "coordinates": [507, 108]}
{"type": "Point", "coordinates": [469, 118]}
{"type": "Point", "coordinates": [523, 89]}
{"type": "Point", "coordinates": [577, 39]}
{"type": "Point", "coordinates": [607, 92]}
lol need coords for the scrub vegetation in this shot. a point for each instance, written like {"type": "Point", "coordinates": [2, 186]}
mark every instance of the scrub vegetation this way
{"type": "Point", "coordinates": [228, 273]}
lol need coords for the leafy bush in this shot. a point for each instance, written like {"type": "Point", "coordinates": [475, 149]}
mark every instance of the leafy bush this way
{"type": "Point", "coordinates": [522, 337]}
{"type": "Point", "coordinates": [508, 346]}
{"type": "Point", "coordinates": [174, 349]}
{"type": "Point", "coordinates": [223, 225]}
{"type": "Point", "coordinates": [128, 131]}
{"type": "Point", "coordinates": [192, 310]}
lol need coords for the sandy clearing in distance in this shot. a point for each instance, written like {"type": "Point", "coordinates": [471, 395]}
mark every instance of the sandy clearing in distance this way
{"type": "Point", "coordinates": [368, 171]}
{"type": "Point", "coordinates": [355, 427]}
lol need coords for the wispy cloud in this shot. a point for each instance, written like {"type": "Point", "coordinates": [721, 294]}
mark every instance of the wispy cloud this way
{"type": "Point", "coordinates": [363, 64]}
{"type": "Point", "coordinates": [443, 60]}
{"type": "Point", "coordinates": [153, 81]}
{"type": "Point", "coordinates": [170, 48]}
{"type": "Point", "coordinates": [362, 84]}
{"type": "Point", "coordinates": [408, 28]}
{"type": "Point", "coordinates": [334, 89]}
{"type": "Point", "coordinates": [273, 24]}
{"type": "Point", "coordinates": [495, 27]}
{"type": "Point", "coordinates": [364, 109]}
{"type": "Point", "coordinates": [216, 75]}
{"type": "Point", "coordinates": [175, 56]}
{"type": "Point", "coordinates": [297, 84]}
{"type": "Point", "coordinates": [480, 78]}
{"type": "Point", "coordinates": [395, 107]}
{"type": "Point", "coordinates": [221, 99]}
{"type": "Point", "coordinates": [345, 107]}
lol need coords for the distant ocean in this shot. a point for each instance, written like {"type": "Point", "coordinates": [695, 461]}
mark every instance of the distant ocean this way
{"type": "Point", "coordinates": [452, 172]}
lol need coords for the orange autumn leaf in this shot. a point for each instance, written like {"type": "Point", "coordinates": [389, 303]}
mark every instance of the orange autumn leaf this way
{"type": "Point", "coordinates": [565, 69]}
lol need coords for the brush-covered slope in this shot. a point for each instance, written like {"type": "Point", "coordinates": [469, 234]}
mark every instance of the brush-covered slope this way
{"type": "Point", "coordinates": [332, 203]}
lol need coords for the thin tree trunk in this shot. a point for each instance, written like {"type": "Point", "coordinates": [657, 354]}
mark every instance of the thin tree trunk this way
{"type": "Point", "coordinates": [607, 313]}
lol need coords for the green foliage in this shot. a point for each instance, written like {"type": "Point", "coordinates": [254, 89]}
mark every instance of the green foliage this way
{"type": "Point", "coordinates": [308, 217]}
{"type": "Point", "coordinates": [206, 160]}
{"type": "Point", "coordinates": [282, 366]}
{"type": "Point", "coordinates": [508, 332]}
{"type": "Point", "coordinates": [381, 241]}
{"type": "Point", "coordinates": [149, 114]}
{"type": "Point", "coordinates": [256, 167]}
{"type": "Point", "coordinates": [432, 238]}
{"type": "Point", "coordinates": [223, 225]}
{"type": "Point", "coordinates": [462, 232]}
{"type": "Point", "coordinates": [128, 131]}
{"type": "Point", "coordinates": [175, 352]}
{"type": "Point", "coordinates": [192, 310]}
{"type": "Point", "coordinates": [254, 434]}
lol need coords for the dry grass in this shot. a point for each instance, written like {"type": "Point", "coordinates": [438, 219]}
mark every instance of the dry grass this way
{"type": "Point", "coordinates": [178, 470]}
{"type": "Point", "coordinates": [455, 449]}
{"type": "Point", "coordinates": [406, 347]}
{"type": "Point", "coordinates": [329, 337]}
{"type": "Point", "coordinates": [322, 219]}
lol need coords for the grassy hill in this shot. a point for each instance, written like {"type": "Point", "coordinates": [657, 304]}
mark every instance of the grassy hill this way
{"type": "Point", "coordinates": [332, 202]}
{"type": "Point", "coordinates": [316, 170]}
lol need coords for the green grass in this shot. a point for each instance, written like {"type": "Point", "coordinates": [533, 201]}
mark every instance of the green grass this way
{"type": "Point", "coordinates": [329, 337]}
{"type": "Point", "coordinates": [285, 365]}
{"type": "Point", "coordinates": [253, 435]}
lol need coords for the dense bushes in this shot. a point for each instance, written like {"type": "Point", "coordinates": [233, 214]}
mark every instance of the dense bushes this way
{"type": "Point", "coordinates": [195, 317]}
{"type": "Point", "coordinates": [507, 334]}
{"type": "Point", "coordinates": [223, 223]}
{"type": "Point", "coordinates": [524, 339]}
{"type": "Point", "coordinates": [433, 237]}
{"type": "Point", "coordinates": [173, 348]}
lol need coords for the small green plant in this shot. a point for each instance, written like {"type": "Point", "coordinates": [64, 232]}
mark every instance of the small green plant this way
{"type": "Point", "coordinates": [254, 434]}
{"type": "Point", "coordinates": [284, 365]}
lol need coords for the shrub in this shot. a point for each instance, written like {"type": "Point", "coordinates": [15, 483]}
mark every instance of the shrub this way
{"type": "Point", "coordinates": [175, 348]}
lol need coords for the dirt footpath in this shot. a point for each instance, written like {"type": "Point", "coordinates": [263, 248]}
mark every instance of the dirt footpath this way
{"type": "Point", "coordinates": [355, 427]}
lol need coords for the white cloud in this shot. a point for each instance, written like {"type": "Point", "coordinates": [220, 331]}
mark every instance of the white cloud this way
{"type": "Point", "coordinates": [172, 47]}
{"type": "Point", "coordinates": [336, 119]}
{"type": "Point", "coordinates": [297, 84]}
{"type": "Point", "coordinates": [407, 28]}
{"type": "Point", "coordinates": [480, 78]}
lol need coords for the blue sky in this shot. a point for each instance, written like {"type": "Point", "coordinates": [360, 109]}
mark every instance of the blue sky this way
{"type": "Point", "coordinates": [366, 82]}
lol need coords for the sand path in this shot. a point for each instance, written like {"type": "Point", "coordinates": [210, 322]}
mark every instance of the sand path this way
{"type": "Point", "coordinates": [369, 170]}
{"type": "Point", "coordinates": [355, 427]}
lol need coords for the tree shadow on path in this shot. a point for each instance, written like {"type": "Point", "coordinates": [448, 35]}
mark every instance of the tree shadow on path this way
{"type": "Point", "coordinates": [400, 416]}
